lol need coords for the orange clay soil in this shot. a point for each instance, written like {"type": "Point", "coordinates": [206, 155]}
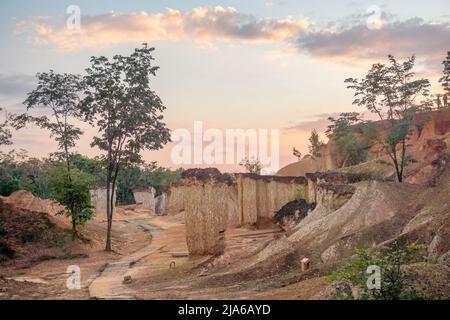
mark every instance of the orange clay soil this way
{"type": "Point", "coordinates": [151, 253]}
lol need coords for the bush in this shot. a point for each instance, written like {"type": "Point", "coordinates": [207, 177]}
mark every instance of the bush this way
{"type": "Point", "coordinates": [251, 165]}
{"type": "Point", "coordinates": [299, 193]}
{"type": "Point", "coordinates": [396, 281]}
{"type": "Point", "coordinates": [352, 137]}
{"type": "Point", "coordinates": [131, 177]}
{"type": "Point", "coordinates": [74, 194]}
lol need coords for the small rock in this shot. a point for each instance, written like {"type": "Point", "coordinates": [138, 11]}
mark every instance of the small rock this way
{"type": "Point", "coordinates": [305, 264]}
{"type": "Point", "coordinates": [203, 273]}
{"type": "Point", "coordinates": [127, 279]}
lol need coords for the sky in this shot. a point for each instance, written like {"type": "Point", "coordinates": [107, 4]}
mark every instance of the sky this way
{"type": "Point", "coordinates": [257, 64]}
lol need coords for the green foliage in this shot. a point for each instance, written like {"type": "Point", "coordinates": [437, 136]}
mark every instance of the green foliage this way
{"type": "Point", "coordinates": [60, 94]}
{"type": "Point", "coordinates": [94, 167]}
{"type": "Point", "coordinates": [126, 112]}
{"type": "Point", "coordinates": [299, 193]}
{"type": "Point", "coordinates": [160, 178]}
{"type": "Point", "coordinates": [396, 281]}
{"type": "Point", "coordinates": [5, 132]}
{"type": "Point", "coordinates": [315, 144]}
{"type": "Point", "coordinates": [391, 92]}
{"type": "Point", "coordinates": [445, 81]}
{"type": "Point", "coordinates": [146, 175]}
{"type": "Point", "coordinates": [18, 171]}
{"type": "Point", "coordinates": [251, 165]}
{"type": "Point", "coordinates": [351, 136]}
{"type": "Point", "coordinates": [73, 193]}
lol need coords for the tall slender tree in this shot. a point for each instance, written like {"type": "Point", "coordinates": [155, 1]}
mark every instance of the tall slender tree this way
{"type": "Point", "coordinates": [59, 94]}
{"type": "Point", "coordinates": [392, 92]}
{"type": "Point", "coordinates": [126, 112]}
{"type": "Point", "coordinates": [445, 80]}
{"type": "Point", "coordinates": [315, 144]}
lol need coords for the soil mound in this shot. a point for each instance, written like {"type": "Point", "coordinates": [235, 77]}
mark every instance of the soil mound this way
{"type": "Point", "coordinates": [25, 200]}
{"type": "Point", "coordinates": [28, 236]}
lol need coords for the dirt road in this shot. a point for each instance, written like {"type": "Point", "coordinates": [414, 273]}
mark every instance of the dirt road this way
{"type": "Point", "coordinates": [110, 283]}
{"type": "Point", "coordinates": [151, 262]}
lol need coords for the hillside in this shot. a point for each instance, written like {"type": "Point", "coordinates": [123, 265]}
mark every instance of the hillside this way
{"type": "Point", "coordinates": [428, 145]}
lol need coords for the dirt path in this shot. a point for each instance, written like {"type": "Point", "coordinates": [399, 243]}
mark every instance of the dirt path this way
{"type": "Point", "coordinates": [152, 255]}
{"type": "Point", "coordinates": [110, 283]}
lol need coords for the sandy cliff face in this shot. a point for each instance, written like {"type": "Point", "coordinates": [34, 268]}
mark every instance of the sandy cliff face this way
{"type": "Point", "coordinates": [373, 214]}
{"type": "Point", "coordinates": [25, 200]}
{"type": "Point", "coordinates": [259, 197]}
{"type": "Point", "coordinates": [208, 199]}
{"type": "Point", "coordinates": [213, 202]}
{"type": "Point", "coordinates": [430, 139]}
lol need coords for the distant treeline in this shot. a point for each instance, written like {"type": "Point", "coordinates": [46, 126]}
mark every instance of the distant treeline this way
{"type": "Point", "coordinates": [19, 171]}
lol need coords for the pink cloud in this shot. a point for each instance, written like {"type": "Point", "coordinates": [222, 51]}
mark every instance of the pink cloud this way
{"type": "Point", "coordinates": [201, 24]}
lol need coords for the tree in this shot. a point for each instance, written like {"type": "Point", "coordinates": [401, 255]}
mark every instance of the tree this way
{"type": "Point", "coordinates": [144, 175]}
{"type": "Point", "coordinates": [126, 112]}
{"type": "Point", "coordinates": [351, 137]}
{"type": "Point", "coordinates": [251, 165]}
{"type": "Point", "coordinates": [296, 154]}
{"type": "Point", "coordinates": [445, 80]}
{"type": "Point", "coordinates": [74, 193]}
{"type": "Point", "coordinates": [438, 100]}
{"type": "Point", "coordinates": [5, 132]}
{"type": "Point", "coordinates": [391, 92]}
{"type": "Point", "coordinates": [315, 144]}
{"type": "Point", "coordinates": [60, 93]}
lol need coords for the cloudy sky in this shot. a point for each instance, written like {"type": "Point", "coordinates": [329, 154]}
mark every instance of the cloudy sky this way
{"type": "Point", "coordinates": [231, 64]}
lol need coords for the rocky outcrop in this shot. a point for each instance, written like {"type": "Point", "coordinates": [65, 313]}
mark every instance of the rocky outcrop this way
{"type": "Point", "coordinates": [259, 197]}
{"type": "Point", "coordinates": [292, 213]}
{"type": "Point", "coordinates": [26, 201]}
{"type": "Point", "coordinates": [175, 199]}
{"type": "Point", "coordinates": [213, 201]}
{"type": "Point", "coordinates": [254, 199]}
{"type": "Point", "coordinates": [160, 204]}
{"type": "Point", "coordinates": [145, 198]}
{"type": "Point", "coordinates": [324, 183]}
{"type": "Point", "coordinates": [334, 196]}
{"type": "Point", "coordinates": [98, 200]}
{"type": "Point", "coordinates": [209, 204]}
{"type": "Point", "coordinates": [430, 137]}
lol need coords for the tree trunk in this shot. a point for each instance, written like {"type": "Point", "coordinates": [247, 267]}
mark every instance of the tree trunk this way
{"type": "Point", "coordinates": [108, 211]}
{"type": "Point", "coordinates": [74, 228]}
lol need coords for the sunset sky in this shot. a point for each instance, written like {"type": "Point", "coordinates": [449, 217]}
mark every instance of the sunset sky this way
{"type": "Point", "coordinates": [231, 64]}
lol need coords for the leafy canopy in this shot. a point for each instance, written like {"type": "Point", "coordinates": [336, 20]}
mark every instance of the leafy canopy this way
{"type": "Point", "coordinates": [392, 92]}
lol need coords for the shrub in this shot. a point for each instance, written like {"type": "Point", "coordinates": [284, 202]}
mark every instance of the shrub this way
{"type": "Point", "coordinates": [74, 194]}
{"type": "Point", "coordinates": [299, 193]}
{"type": "Point", "coordinates": [396, 281]}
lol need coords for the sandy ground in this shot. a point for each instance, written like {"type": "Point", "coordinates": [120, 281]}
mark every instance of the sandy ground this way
{"type": "Point", "coordinates": [151, 256]}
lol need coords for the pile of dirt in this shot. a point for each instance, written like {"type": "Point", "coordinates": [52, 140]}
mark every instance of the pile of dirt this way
{"type": "Point", "coordinates": [25, 200]}
{"type": "Point", "coordinates": [292, 213]}
{"type": "Point", "coordinates": [28, 236]}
